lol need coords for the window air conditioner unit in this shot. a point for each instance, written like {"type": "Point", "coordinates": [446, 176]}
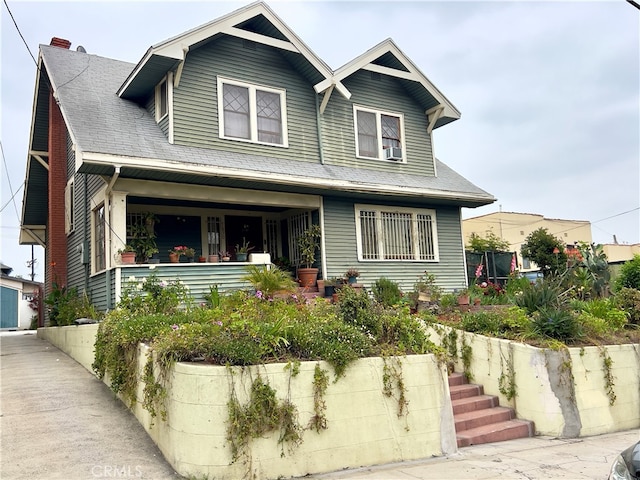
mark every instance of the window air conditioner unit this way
{"type": "Point", "coordinates": [393, 153]}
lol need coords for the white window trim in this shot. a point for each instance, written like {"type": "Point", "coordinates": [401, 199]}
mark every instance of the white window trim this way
{"type": "Point", "coordinates": [378, 113]}
{"type": "Point", "coordinates": [69, 211]}
{"type": "Point", "coordinates": [160, 117]}
{"type": "Point", "coordinates": [253, 119]}
{"type": "Point", "coordinates": [414, 212]}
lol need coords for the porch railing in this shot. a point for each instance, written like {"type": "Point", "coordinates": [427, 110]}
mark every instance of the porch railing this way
{"type": "Point", "coordinates": [198, 277]}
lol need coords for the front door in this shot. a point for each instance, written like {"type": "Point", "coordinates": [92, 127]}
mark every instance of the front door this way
{"type": "Point", "coordinates": [241, 229]}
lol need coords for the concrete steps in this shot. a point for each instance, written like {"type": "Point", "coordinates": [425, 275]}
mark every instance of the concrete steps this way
{"type": "Point", "coordinates": [479, 418]}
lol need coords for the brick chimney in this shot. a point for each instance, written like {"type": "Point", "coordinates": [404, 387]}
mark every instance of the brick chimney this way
{"type": "Point", "coordinates": [60, 42]}
{"type": "Point", "coordinates": [56, 236]}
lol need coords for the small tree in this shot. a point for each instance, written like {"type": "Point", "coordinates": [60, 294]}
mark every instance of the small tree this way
{"type": "Point", "coordinates": [629, 276]}
{"type": "Point", "coordinates": [492, 243]}
{"type": "Point", "coordinates": [546, 251]}
{"type": "Point", "coordinates": [595, 268]}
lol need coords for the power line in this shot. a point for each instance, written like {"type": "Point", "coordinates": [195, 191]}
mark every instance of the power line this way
{"type": "Point", "coordinates": [20, 33]}
{"type": "Point", "coordinates": [4, 161]}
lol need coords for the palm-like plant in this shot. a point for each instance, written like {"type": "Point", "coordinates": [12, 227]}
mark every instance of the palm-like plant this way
{"type": "Point", "coordinates": [269, 280]}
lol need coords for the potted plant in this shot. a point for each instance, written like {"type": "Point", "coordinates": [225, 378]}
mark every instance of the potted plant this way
{"type": "Point", "coordinates": [127, 254]}
{"type": "Point", "coordinates": [330, 286]}
{"type": "Point", "coordinates": [176, 252]}
{"type": "Point", "coordinates": [143, 243]}
{"type": "Point", "coordinates": [190, 254]}
{"type": "Point", "coordinates": [351, 275]}
{"type": "Point", "coordinates": [308, 243]}
{"type": "Point", "coordinates": [224, 255]}
{"type": "Point", "coordinates": [243, 250]}
{"type": "Point", "coordinates": [426, 289]}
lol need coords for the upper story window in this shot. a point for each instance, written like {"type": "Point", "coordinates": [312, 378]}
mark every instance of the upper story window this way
{"type": "Point", "coordinates": [162, 108]}
{"type": "Point", "coordinates": [379, 134]}
{"type": "Point", "coordinates": [252, 113]}
{"type": "Point", "coordinates": [397, 234]}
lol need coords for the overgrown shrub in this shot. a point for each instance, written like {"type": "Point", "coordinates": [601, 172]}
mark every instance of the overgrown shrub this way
{"type": "Point", "coordinates": [150, 295]}
{"type": "Point", "coordinates": [509, 322]}
{"type": "Point", "coordinates": [387, 292]}
{"type": "Point", "coordinates": [605, 309]}
{"type": "Point", "coordinates": [356, 308]}
{"type": "Point", "coordinates": [65, 306]}
{"type": "Point", "coordinates": [629, 275]}
{"type": "Point", "coordinates": [628, 299]}
{"type": "Point", "coordinates": [403, 333]}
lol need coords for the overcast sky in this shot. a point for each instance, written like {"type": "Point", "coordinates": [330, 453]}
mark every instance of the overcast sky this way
{"type": "Point", "coordinates": [549, 91]}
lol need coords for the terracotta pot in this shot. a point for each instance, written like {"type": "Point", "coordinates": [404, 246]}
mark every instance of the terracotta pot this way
{"type": "Point", "coordinates": [174, 258]}
{"type": "Point", "coordinates": [463, 300]}
{"type": "Point", "coordinates": [202, 259]}
{"type": "Point", "coordinates": [307, 276]}
{"type": "Point", "coordinates": [213, 259]}
{"type": "Point", "coordinates": [128, 258]}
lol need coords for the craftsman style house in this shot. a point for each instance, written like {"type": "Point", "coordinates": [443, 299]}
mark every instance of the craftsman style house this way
{"type": "Point", "coordinates": [237, 132]}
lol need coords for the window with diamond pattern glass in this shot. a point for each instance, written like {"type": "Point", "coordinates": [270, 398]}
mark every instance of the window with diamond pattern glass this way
{"type": "Point", "coordinates": [236, 111]}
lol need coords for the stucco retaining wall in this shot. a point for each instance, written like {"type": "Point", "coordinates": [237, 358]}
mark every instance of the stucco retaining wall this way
{"type": "Point", "coordinates": [363, 427]}
{"type": "Point", "coordinates": [76, 341]}
{"type": "Point", "coordinates": [562, 391]}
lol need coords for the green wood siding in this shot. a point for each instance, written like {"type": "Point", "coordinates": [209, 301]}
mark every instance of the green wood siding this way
{"type": "Point", "coordinates": [338, 132]}
{"type": "Point", "coordinates": [99, 287]}
{"type": "Point", "coordinates": [195, 100]}
{"type": "Point", "coordinates": [341, 248]}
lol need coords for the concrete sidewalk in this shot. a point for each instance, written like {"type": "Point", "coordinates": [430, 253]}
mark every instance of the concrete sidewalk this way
{"type": "Point", "coordinates": [59, 421]}
{"type": "Point", "coordinates": [526, 458]}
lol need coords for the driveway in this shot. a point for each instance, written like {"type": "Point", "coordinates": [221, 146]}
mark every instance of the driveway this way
{"type": "Point", "coordinates": [58, 421]}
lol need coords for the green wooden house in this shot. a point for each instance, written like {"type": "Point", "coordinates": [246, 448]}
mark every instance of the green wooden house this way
{"type": "Point", "coordinates": [236, 132]}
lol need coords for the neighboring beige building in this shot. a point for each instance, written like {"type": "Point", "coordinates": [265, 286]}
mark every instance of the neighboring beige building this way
{"type": "Point", "coordinates": [620, 252]}
{"type": "Point", "coordinates": [515, 227]}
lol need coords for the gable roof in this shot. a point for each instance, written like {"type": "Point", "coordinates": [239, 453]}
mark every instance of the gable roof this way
{"type": "Point", "coordinates": [387, 59]}
{"type": "Point", "coordinates": [255, 22]}
{"type": "Point", "coordinates": [126, 135]}
{"type": "Point", "coordinates": [126, 138]}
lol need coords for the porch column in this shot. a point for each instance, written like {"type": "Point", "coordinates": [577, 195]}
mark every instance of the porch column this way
{"type": "Point", "coordinates": [118, 225]}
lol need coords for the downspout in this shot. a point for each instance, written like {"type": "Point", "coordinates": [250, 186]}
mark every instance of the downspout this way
{"type": "Point", "coordinates": [107, 193]}
{"type": "Point", "coordinates": [85, 245]}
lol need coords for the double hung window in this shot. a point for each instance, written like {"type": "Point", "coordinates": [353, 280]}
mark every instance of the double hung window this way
{"type": "Point", "coordinates": [379, 134]}
{"type": "Point", "coordinates": [252, 113]}
{"type": "Point", "coordinates": [385, 233]}
{"type": "Point", "coordinates": [99, 239]}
